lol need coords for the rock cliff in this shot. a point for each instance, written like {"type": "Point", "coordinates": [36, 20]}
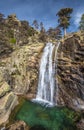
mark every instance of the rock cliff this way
{"type": "Point", "coordinates": [18, 76]}
{"type": "Point", "coordinates": [71, 71]}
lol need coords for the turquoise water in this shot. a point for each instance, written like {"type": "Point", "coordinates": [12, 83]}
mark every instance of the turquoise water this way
{"type": "Point", "coordinates": [39, 117]}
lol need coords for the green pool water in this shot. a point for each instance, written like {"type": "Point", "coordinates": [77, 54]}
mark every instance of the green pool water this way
{"type": "Point", "coordinates": [39, 117]}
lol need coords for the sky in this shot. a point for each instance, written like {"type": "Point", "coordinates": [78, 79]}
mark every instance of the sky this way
{"type": "Point", "coordinates": [43, 11]}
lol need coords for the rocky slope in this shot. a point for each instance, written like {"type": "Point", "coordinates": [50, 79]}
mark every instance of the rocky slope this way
{"type": "Point", "coordinates": [18, 76]}
{"type": "Point", "coordinates": [71, 71]}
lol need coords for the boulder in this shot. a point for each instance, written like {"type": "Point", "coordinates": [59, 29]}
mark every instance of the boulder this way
{"type": "Point", "coordinates": [4, 88]}
{"type": "Point", "coordinates": [7, 103]}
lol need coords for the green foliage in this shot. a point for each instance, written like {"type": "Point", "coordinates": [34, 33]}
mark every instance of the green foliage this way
{"type": "Point", "coordinates": [71, 114]}
{"type": "Point", "coordinates": [65, 12]}
{"type": "Point", "coordinates": [42, 29]}
{"type": "Point", "coordinates": [31, 31]}
{"type": "Point", "coordinates": [42, 37]}
{"type": "Point", "coordinates": [13, 40]}
{"type": "Point", "coordinates": [10, 33]}
{"type": "Point", "coordinates": [13, 22]}
{"type": "Point", "coordinates": [64, 17]}
{"type": "Point", "coordinates": [54, 33]}
{"type": "Point", "coordinates": [35, 24]}
{"type": "Point", "coordinates": [25, 24]}
{"type": "Point", "coordinates": [1, 17]}
{"type": "Point", "coordinates": [81, 22]}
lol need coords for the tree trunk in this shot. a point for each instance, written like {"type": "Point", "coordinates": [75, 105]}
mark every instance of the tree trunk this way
{"type": "Point", "coordinates": [64, 31]}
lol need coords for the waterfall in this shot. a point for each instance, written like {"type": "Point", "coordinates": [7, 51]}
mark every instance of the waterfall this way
{"type": "Point", "coordinates": [47, 84]}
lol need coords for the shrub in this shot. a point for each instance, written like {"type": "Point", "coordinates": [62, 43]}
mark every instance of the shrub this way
{"type": "Point", "coordinates": [13, 40]}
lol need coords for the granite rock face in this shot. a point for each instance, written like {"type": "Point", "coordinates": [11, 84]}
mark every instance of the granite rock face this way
{"type": "Point", "coordinates": [8, 100]}
{"type": "Point", "coordinates": [18, 76]}
{"type": "Point", "coordinates": [20, 70]}
{"type": "Point", "coordinates": [71, 72]}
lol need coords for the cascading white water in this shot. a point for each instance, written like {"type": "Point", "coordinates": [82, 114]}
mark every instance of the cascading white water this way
{"type": "Point", "coordinates": [47, 85]}
{"type": "Point", "coordinates": [46, 76]}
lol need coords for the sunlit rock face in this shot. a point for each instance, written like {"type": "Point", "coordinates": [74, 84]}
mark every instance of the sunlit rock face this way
{"type": "Point", "coordinates": [7, 104]}
{"type": "Point", "coordinates": [20, 70]}
{"type": "Point", "coordinates": [18, 76]}
{"type": "Point", "coordinates": [71, 72]}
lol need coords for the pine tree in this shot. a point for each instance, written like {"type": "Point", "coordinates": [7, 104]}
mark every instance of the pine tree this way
{"type": "Point", "coordinates": [64, 18]}
{"type": "Point", "coordinates": [1, 17]}
{"type": "Point", "coordinates": [82, 22]}
{"type": "Point", "coordinates": [2, 21]}
{"type": "Point", "coordinates": [35, 24]}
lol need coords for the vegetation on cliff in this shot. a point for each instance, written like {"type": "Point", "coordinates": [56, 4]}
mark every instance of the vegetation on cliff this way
{"type": "Point", "coordinates": [15, 33]}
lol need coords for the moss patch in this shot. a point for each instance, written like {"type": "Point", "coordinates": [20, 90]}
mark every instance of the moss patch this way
{"type": "Point", "coordinates": [12, 40]}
